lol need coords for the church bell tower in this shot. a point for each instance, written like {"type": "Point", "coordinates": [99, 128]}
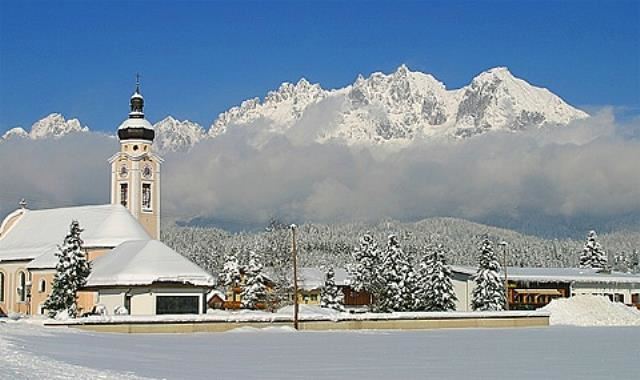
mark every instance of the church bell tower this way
{"type": "Point", "coordinates": [135, 169]}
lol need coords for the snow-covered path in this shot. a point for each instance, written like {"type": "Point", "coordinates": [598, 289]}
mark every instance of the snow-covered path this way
{"type": "Point", "coordinates": [33, 352]}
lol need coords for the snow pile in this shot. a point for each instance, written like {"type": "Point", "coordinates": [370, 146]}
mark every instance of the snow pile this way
{"type": "Point", "coordinates": [591, 311]}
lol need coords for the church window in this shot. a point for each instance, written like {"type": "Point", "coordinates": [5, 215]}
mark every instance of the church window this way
{"type": "Point", "coordinates": [146, 196]}
{"type": "Point", "coordinates": [124, 194]}
{"type": "Point", "coordinates": [1, 287]}
{"type": "Point", "coordinates": [42, 286]}
{"type": "Point", "coordinates": [22, 288]}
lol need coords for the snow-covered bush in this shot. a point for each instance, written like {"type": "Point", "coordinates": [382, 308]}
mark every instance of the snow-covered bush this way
{"type": "Point", "coordinates": [120, 310]}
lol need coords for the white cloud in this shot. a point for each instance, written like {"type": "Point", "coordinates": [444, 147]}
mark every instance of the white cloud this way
{"type": "Point", "coordinates": [247, 177]}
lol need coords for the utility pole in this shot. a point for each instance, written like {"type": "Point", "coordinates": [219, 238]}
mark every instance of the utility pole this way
{"type": "Point", "coordinates": [505, 251]}
{"type": "Point", "coordinates": [295, 276]}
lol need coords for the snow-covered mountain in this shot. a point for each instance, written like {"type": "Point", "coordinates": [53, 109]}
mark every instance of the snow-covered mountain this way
{"type": "Point", "coordinates": [171, 135]}
{"type": "Point", "coordinates": [174, 135]}
{"type": "Point", "coordinates": [51, 126]}
{"type": "Point", "coordinates": [383, 108]}
{"type": "Point", "coordinates": [405, 105]}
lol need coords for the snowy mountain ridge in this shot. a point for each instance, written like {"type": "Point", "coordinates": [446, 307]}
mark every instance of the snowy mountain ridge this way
{"type": "Point", "coordinates": [405, 105]}
{"type": "Point", "coordinates": [52, 126]}
{"type": "Point", "coordinates": [174, 135]}
{"type": "Point", "coordinates": [383, 108]}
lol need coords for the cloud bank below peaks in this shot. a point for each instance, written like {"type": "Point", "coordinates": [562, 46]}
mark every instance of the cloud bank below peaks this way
{"type": "Point", "coordinates": [584, 171]}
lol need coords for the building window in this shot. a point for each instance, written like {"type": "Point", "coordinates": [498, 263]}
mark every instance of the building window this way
{"type": "Point", "coordinates": [42, 286]}
{"type": "Point", "coordinates": [1, 287]}
{"type": "Point", "coordinates": [22, 288]}
{"type": "Point", "coordinates": [314, 297]}
{"type": "Point", "coordinates": [146, 196]}
{"type": "Point", "coordinates": [41, 310]}
{"type": "Point", "coordinates": [124, 194]}
{"type": "Point", "coordinates": [177, 305]}
{"type": "Point", "coordinates": [635, 298]}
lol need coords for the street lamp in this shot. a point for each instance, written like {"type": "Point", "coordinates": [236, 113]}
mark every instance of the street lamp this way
{"type": "Point", "coordinates": [505, 251]}
{"type": "Point", "coordinates": [295, 276]}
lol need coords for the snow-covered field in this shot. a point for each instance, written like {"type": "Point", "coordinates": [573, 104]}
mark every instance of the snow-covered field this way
{"type": "Point", "coordinates": [31, 351]}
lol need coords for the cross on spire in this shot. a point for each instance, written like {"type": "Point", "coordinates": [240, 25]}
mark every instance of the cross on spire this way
{"type": "Point", "coordinates": [137, 83]}
{"type": "Point", "coordinates": [23, 203]}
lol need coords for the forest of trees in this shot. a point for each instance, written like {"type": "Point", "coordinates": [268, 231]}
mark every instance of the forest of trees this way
{"type": "Point", "coordinates": [321, 245]}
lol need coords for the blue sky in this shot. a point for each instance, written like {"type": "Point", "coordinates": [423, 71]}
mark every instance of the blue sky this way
{"type": "Point", "coordinates": [197, 59]}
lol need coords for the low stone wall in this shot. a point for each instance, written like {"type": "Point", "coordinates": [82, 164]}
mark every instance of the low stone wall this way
{"type": "Point", "coordinates": [165, 327]}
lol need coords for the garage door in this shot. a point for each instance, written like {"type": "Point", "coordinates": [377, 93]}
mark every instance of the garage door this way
{"type": "Point", "coordinates": [177, 304]}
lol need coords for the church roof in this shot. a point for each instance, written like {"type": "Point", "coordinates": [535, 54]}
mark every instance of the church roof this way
{"type": "Point", "coordinates": [145, 262]}
{"type": "Point", "coordinates": [38, 232]}
{"type": "Point", "coordinates": [135, 123]}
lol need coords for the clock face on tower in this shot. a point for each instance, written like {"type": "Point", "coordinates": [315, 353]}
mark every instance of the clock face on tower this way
{"type": "Point", "coordinates": [123, 171]}
{"type": "Point", "coordinates": [146, 171]}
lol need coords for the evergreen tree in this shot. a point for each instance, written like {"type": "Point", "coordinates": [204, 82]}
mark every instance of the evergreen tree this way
{"type": "Point", "coordinates": [439, 290]}
{"type": "Point", "coordinates": [72, 271]}
{"type": "Point", "coordinates": [488, 294]}
{"type": "Point", "coordinates": [422, 300]}
{"type": "Point", "coordinates": [364, 275]}
{"type": "Point", "coordinates": [255, 289]}
{"type": "Point", "coordinates": [231, 273]}
{"type": "Point", "coordinates": [399, 287]}
{"type": "Point", "coordinates": [331, 296]}
{"type": "Point", "coordinates": [593, 256]}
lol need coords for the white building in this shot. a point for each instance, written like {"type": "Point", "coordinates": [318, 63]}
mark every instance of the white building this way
{"type": "Point", "coordinates": [530, 288]}
{"type": "Point", "coordinates": [128, 268]}
{"type": "Point", "coordinates": [148, 278]}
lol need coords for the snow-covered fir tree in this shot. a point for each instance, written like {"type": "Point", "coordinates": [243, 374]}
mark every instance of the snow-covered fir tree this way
{"type": "Point", "coordinates": [255, 287]}
{"type": "Point", "coordinates": [231, 273]}
{"type": "Point", "coordinates": [593, 256]}
{"type": "Point", "coordinates": [399, 285]}
{"type": "Point", "coordinates": [364, 275]}
{"type": "Point", "coordinates": [488, 295]}
{"type": "Point", "coordinates": [421, 301]}
{"type": "Point", "coordinates": [331, 296]}
{"type": "Point", "coordinates": [435, 280]}
{"type": "Point", "coordinates": [72, 271]}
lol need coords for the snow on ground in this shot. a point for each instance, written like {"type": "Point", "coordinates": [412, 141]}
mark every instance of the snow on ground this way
{"type": "Point", "coordinates": [591, 311]}
{"type": "Point", "coordinates": [18, 363]}
{"type": "Point", "coordinates": [285, 314]}
{"type": "Point", "coordinates": [31, 351]}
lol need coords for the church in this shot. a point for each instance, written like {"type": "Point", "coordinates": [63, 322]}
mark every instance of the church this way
{"type": "Point", "coordinates": [131, 269]}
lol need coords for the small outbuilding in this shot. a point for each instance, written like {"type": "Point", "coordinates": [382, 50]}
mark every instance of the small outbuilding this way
{"type": "Point", "coordinates": [146, 277]}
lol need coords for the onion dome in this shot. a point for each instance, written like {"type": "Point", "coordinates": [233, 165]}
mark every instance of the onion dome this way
{"type": "Point", "coordinates": [136, 127]}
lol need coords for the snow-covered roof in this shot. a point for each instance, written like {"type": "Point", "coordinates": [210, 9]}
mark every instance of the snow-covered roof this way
{"type": "Point", "coordinates": [313, 278]}
{"type": "Point", "coordinates": [145, 262]}
{"type": "Point", "coordinates": [136, 123]}
{"type": "Point", "coordinates": [560, 274]}
{"type": "Point", "coordinates": [38, 232]}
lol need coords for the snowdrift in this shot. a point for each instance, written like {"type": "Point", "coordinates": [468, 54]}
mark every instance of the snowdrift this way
{"type": "Point", "coordinates": [591, 311]}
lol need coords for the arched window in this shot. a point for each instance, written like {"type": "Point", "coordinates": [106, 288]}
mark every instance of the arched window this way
{"type": "Point", "coordinates": [22, 287]}
{"type": "Point", "coordinates": [42, 286]}
{"type": "Point", "coordinates": [1, 287]}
